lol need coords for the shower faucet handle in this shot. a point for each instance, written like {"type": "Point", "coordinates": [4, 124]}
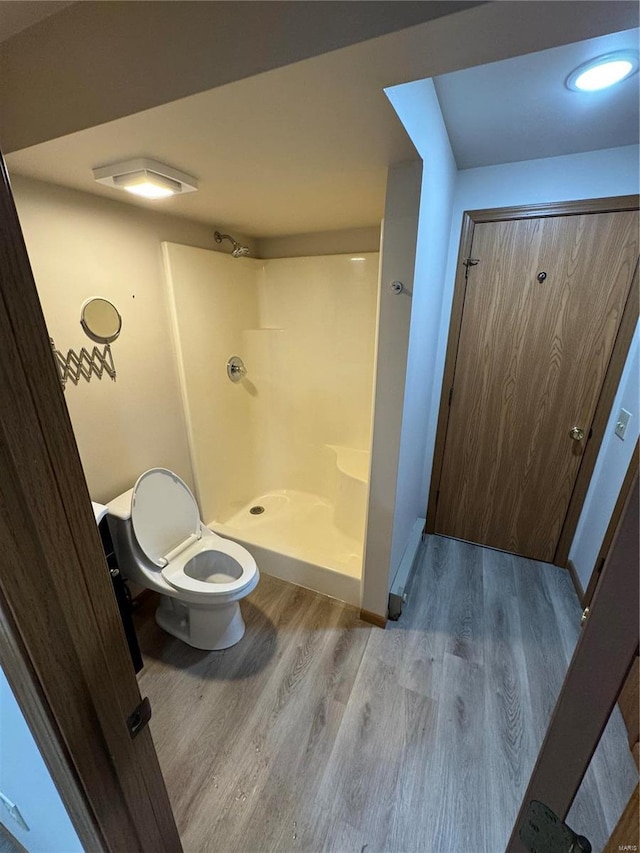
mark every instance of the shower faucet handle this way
{"type": "Point", "coordinates": [235, 368]}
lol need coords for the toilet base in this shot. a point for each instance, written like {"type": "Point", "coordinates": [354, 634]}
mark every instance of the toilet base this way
{"type": "Point", "coordinates": [208, 628]}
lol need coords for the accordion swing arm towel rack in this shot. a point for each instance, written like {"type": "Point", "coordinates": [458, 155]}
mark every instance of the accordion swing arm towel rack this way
{"type": "Point", "coordinates": [102, 323]}
{"type": "Point", "coordinates": [85, 364]}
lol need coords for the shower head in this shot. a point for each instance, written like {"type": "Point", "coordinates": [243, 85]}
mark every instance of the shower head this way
{"type": "Point", "coordinates": [238, 250]}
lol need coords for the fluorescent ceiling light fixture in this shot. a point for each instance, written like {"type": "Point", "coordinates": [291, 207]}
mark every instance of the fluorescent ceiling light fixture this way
{"type": "Point", "coordinates": [146, 178]}
{"type": "Point", "coordinates": [604, 71]}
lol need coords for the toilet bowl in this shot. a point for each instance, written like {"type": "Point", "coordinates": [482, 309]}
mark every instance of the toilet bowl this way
{"type": "Point", "coordinates": [161, 543]}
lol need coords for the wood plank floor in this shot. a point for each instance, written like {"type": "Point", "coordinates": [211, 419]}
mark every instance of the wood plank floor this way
{"type": "Point", "coordinates": [8, 843]}
{"type": "Point", "coordinates": [320, 733]}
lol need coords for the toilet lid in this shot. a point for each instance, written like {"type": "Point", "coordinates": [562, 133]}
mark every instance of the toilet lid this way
{"type": "Point", "coordinates": [164, 513]}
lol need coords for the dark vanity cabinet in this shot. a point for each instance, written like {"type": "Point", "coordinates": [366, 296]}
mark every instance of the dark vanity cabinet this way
{"type": "Point", "coordinates": [122, 594]}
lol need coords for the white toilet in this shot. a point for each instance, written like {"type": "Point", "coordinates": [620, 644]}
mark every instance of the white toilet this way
{"type": "Point", "coordinates": [161, 544]}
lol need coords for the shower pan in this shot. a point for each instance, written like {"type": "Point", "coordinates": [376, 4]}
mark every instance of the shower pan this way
{"type": "Point", "coordinates": [281, 454]}
{"type": "Point", "coordinates": [309, 538]}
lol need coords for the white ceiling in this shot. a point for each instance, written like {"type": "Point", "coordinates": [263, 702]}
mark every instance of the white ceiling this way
{"type": "Point", "coordinates": [286, 152]}
{"type": "Point", "coordinates": [18, 15]}
{"type": "Point", "coordinates": [520, 109]}
{"type": "Point", "coordinates": [305, 148]}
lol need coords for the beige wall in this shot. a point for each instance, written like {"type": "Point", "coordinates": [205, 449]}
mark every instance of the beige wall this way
{"type": "Point", "coordinates": [321, 243]}
{"type": "Point", "coordinates": [82, 246]}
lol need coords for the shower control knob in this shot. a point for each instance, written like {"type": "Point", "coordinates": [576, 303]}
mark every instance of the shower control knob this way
{"type": "Point", "coordinates": [235, 368]}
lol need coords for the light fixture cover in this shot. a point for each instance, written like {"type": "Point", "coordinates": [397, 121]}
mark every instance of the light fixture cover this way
{"type": "Point", "coordinates": [603, 71]}
{"type": "Point", "coordinates": [146, 178]}
{"type": "Point", "coordinates": [147, 184]}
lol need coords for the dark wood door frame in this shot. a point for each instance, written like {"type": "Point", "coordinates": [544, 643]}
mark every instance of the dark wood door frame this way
{"type": "Point", "coordinates": [62, 645]}
{"type": "Point", "coordinates": [627, 483]}
{"type": "Point", "coordinates": [594, 679]}
{"type": "Point", "coordinates": [614, 370]}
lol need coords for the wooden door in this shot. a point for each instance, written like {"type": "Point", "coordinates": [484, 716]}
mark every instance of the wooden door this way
{"type": "Point", "coordinates": [62, 645]}
{"type": "Point", "coordinates": [542, 309]}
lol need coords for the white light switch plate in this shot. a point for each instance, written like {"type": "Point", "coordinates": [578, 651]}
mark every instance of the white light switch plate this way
{"type": "Point", "coordinates": [622, 423]}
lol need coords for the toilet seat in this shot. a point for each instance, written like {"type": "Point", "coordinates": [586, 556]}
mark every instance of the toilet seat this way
{"type": "Point", "coordinates": [167, 526]}
{"type": "Point", "coordinates": [164, 514]}
{"type": "Point", "coordinates": [175, 573]}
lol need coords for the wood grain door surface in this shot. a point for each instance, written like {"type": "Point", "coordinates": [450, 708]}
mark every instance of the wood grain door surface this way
{"type": "Point", "coordinates": [531, 361]}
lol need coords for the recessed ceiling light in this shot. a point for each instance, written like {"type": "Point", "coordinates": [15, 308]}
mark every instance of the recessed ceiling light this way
{"type": "Point", "coordinates": [604, 71]}
{"type": "Point", "coordinates": [146, 178]}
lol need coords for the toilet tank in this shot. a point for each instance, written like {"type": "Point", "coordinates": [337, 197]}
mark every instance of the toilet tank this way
{"type": "Point", "coordinates": [120, 507]}
{"type": "Point", "coordinates": [132, 562]}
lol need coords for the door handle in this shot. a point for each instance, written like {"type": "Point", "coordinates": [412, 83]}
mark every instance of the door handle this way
{"type": "Point", "coordinates": [576, 433]}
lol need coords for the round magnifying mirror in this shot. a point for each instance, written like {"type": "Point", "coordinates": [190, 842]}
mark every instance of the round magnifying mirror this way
{"type": "Point", "coordinates": [100, 320]}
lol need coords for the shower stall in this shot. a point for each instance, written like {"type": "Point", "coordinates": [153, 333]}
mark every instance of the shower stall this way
{"type": "Point", "coordinates": [276, 360]}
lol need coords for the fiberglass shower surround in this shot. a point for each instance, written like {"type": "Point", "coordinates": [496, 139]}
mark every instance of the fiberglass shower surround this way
{"type": "Point", "coordinates": [293, 435]}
